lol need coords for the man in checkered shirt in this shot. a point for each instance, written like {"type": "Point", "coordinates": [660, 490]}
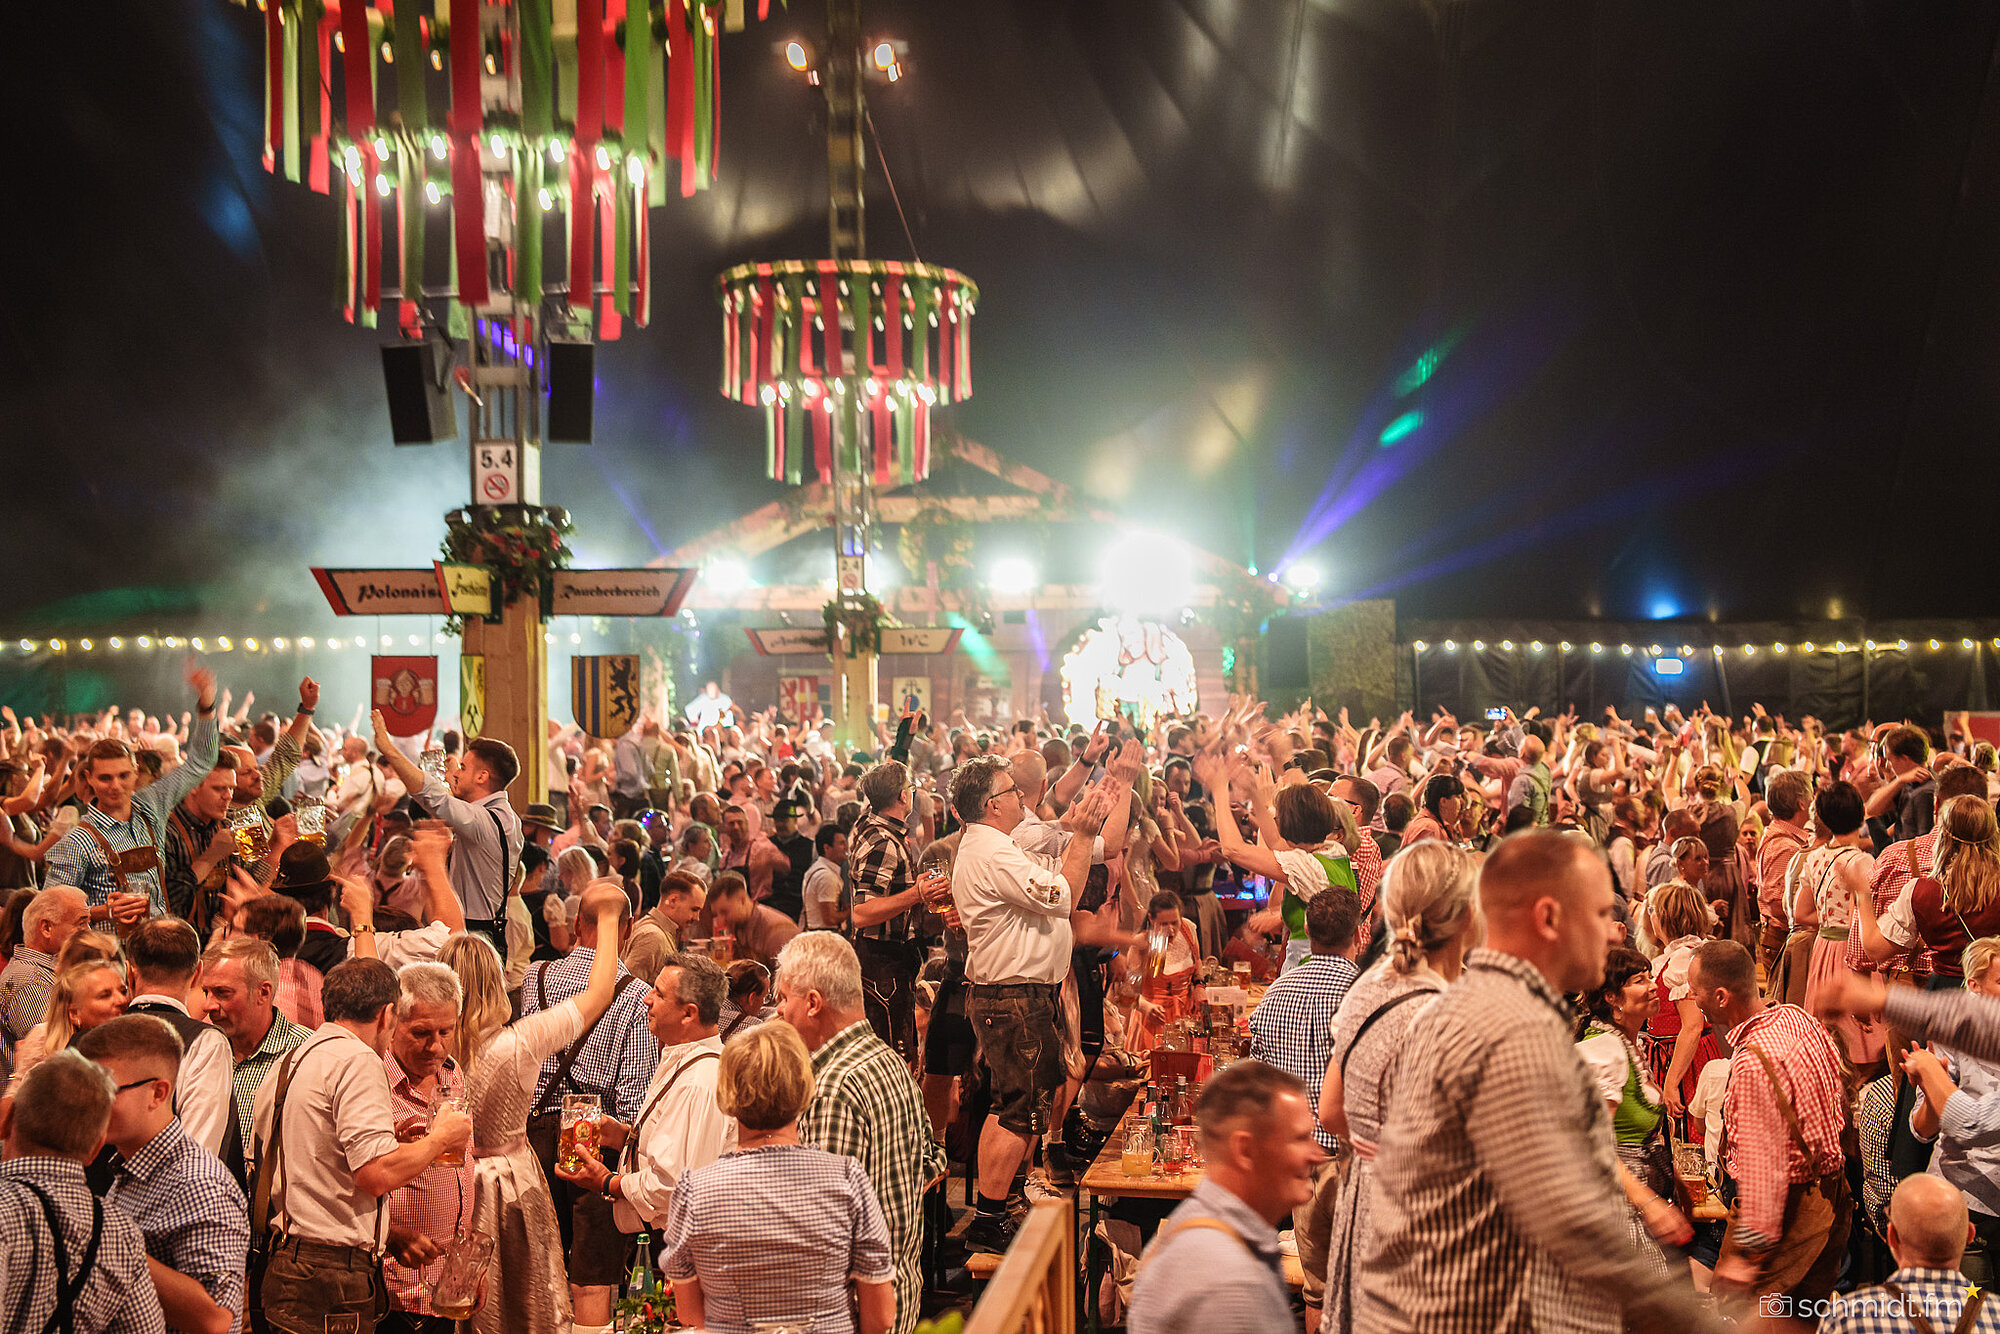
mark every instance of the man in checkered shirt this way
{"type": "Point", "coordinates": [1927, 1233]}
{"type": "Point", "coordinates": [865, 1104]}
{"type": "Point", "coordinates": [55, 1127]}
{"type": "Point", "coordinates": [1497, 1208]}
{"type": "Point", "coordinates": [887, 913]}
{"type": "Point", "coordinates": [1781, 1127]}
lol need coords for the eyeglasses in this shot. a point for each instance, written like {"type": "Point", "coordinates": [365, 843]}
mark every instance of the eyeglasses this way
{"type": "Point", "coordinates": [1003, 792]}
{"type": "Point", "coordinates": [136, 1084]}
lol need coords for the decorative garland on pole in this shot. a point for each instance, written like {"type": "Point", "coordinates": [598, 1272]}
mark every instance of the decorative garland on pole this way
{"type": "Point", "coordinates": [859, 618]}
{"type": "Point", "coordinates": [522, 545]}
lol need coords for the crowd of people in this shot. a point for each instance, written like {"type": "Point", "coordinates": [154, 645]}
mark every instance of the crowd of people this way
{"type": "Point", "coordinates": [302, 1024]}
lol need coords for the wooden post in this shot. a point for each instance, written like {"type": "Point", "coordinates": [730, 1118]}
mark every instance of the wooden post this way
{"type": "Point", "coordinates": [517, 692]}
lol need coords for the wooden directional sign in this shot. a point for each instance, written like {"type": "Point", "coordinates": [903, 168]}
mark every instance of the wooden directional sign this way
{"type": "Point", "coordinates": [381, 592]}
{"type": "Point", "coordinates": [915, 639]}
{"type": "Point", "coordinates": [790, 639]}
{"type": "Point", "coordinates": [620, 592]}
{"type": "Point", "coordinates": [920, 639]}
{"type": "Point", "coordinates": [468, 590]}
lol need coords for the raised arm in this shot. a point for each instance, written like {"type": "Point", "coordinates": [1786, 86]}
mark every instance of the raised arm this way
{"type": "Point", "coordinates": [407, 773]}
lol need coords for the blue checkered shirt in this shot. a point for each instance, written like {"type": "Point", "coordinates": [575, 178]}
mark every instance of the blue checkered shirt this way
{"type": "Point", "coordinates": [191, 1212]}
{"type": "Point", "coordinates": [1938, 1295]}
{"type": "Point", "coordinates": [617, 1063]}
{"type": "Point", "coordinates": [1292, 1027]}
{"type": "Point", "coordinates": [117, 1298]}
{"type": "Point", "coordinates": [79, 859]}
{"type": "Point", "coordinates": [775, 1233]}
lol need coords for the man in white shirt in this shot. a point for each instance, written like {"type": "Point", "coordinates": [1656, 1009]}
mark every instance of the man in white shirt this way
{"type": "Point", "coordinates": [679, 1125]}
{"type": "Point", "coordinates": [822, 886]}
{"type": "Point", "coordinates": [338, 1157]}
{"type": "Point", "coordinates": [162, 956]}
{"type": "Point", "coordinates": [356, 794]}
{"type": "Point", "coordinates": [1016, 907]}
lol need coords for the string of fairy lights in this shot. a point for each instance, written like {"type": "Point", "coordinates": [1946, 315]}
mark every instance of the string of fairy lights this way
{"type": "Point", "coordinates": [1598, 649]}
{"type": "Point", "coordinates": [245, 644]}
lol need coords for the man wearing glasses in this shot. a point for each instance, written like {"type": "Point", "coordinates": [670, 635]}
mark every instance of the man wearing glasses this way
{"type": "Point", "coordinates": [889, 925]}
{"type": "Point", "coordinates": [1016, 908]}
{"type": "Point", "coordinates": [193, 1215]}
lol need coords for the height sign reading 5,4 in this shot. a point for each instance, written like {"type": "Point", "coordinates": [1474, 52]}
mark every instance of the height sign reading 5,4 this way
{"type": "Point", "coordinates": [495, 474]}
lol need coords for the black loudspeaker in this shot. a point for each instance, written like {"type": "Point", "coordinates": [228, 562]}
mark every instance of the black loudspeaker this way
{"type": "Point", "coordinates": [572, 388]}
{"type": "Point", "coordinates": [418, 376]}
{"type": "Point", "coordinates": [1285, 654]}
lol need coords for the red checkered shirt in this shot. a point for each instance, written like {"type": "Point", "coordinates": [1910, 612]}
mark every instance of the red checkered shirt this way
{"type": "Point", "coordinates": [438, 1203]}
{"type": "Point", "coordinates": [1367, 863]}
{"type": "Point", "coordinates": [1761, 1154]}
{"type": "Point", "coordinates": [1781, 843]}
{"type": "Point", "coordinates": [1894, 870]}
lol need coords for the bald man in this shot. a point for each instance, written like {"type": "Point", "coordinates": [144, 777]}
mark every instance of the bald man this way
{"type": "Point", "coordinates": [614, 1059]}
{"type": "Point", "coordinates": [1497, 1203]}
{"type": "Point", "coordinates": [1034, 834]}
{"type": "Point", "coordinates": [1928, 1232]}
{"type": "Point", "coordinates": [1530, 787]}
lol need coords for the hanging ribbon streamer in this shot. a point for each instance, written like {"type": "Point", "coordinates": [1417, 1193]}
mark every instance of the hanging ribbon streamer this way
{"type": "Point", "coordinates": [704, 100]}
{"type": "Point", "coordinates": [892, 320]}
{"type": "Point", "coordinates": [563, 30]}
{"type": "Point", "coordinates": [656, 115]}
{"type": "Point", "coordinates": [774, 441]}
{"type": "Point", "coordinates": [347, 268]}
{"type": "Point", "coordinates": [412, 99]}
{"type": "Point", "coordinates": [614, 74]}
{"type": "Point", "coordinates": [922, 298]}
{"type": "Point", "coordinates": [822, 428]}
{"type": "Point", "coordinates": [680, 92]}
{"type": "Point", "coordinates": [288, 95]}
{"type": "Point", "coordinates": [731, 375]}
{"type": "Point", "coordinates": [767, 310]}
{"type": "Point", "coordinates": [315, 85]}
{"type": "Point", "coordinates": [885, 462]}
{"type": "Point", "coordinates": [858, 284]}
{"type": "Point", "coordinates": [537, 74]}
{"type": "Point", "coordinates": [905, 469]}
{"type": "Point", "coordinates": [920, 447]}
{"type": "Point", "coordinates": [468, 193]}
{"type": "Point", "coordinates": [796, 357]}
{"type": "Point", "coordinates": [274, 83]}
{"type": "Point", "coordinates": [528, 222]}
{"type": "Point", "coordinates": [795, 441]}
{"type": "Point", "coordinates": [609, 326]}
{"type": "Point", "coordinates": [746, 344]}
{"type": "Point", "coordinates": [829, 313]}
{"type": "Point", "coordinates": [642, 312]}
{"type": "Point", "coordinates": [410, 218]}
{"type": "Point", "coordinates": [589, 129]}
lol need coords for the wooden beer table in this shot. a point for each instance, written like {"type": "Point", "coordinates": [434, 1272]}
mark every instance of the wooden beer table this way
{"type": "Point", "coordinates": [1106, 1180]}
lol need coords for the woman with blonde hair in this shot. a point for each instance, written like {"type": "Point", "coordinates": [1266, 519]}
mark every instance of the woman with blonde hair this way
{"type": "Point", "coordinates": [1430, 901]}
{"type": "Point", "coordinates": [503, 1063]}
{"type": "Point", "coordinates": [1958, 902]}
{"type": "Point", "coordinates": [1679, 1041]}
{"type": "Point", "coordinates": [89, 989]}
{"type": "Point", "coordinates": [777, 1207]}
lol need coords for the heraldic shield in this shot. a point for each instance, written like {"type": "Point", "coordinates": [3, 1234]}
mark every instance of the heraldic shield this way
{"type": "Point", "coordinates": [604, 693]}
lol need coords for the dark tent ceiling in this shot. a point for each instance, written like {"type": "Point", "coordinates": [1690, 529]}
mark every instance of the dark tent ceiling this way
{"type": "Point", "coordinates": [1501, 308]}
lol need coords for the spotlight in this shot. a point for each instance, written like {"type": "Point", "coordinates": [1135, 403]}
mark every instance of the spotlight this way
{"type": "Point", "coordinates": [885, 55]}
{"type": "Point", "coordinates": [223, 643]}
{"type": "Point", "coordinates": [1144, 572]}
{"type": "Point", "coordinates": [1566, 646]}
{"type": "Point", "coordinates": [1301, 577]}
{"type": "Point", "coordinates": [278, 644]}
{"type": "Point", "coordinates": [1012, 575]}
{"type": "Point", "coordinates": [1535, 647]}
{"type": "Point", "coordinates": [1478, 646]}
{"type": "Point", "coordinates": [194, 644]}
{"type": "Point", "coordinates": [387, 641]}
{"type": "Point", "coordinates": [1451, 646]}
{"type": "Point", "coordinates": [145, 641]}
{"type": "Point", "coordinates": [305, 641]}
{"type": "Point", "coordinates": [416, 641]}
{"type": "Point", "coordinates": [1597, 648]}
{"type": "Point", "coordinates": [575, 638]}
{"type": "Point", "coordinates": [796, 57]}
{"type": "Point", "coordinates": [117, 643]}
{"type": "Point", "coordinates": [1507, 644]}
{"type": "Point", "coordinates": [86, 645]}
{"type": "Point", "coordinates": [726, 577]}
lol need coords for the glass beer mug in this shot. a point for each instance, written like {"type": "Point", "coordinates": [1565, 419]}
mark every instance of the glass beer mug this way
{"type": "Point", "coordinates": [455, 1291]}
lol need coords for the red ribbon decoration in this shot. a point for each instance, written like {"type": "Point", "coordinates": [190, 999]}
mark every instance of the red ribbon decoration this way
{"type": "Point", "coordinates": [774, 415]}
{"type": "Point", "coordinates": [317, 176]}
{"type": "Point", "coordinates": [355, 64]}
{"type": "Point", "coordinates": [801, 317]}
{"type": "Point", "coordinates": [829, 314]}
{"type": "Point", "coordinates": [892, 323]}
{"type": "Point", "coordinates": [274, 61]}
{"type": "Point", "coordinates": [348, 241]}
{"type": "Point", "coordinates": [714, 108]}
{"type": "Point", "coordinates": [583, 169]}
{"type": "Point", "coordinates": [732, 379]}
{"type": "Point", "coordinates": [822, 441]}
{"type": "Point", "coordinates": [885, 450]}
{"type": "Point", "coordinates": [609, 324]}
{"type": "Point", "coordinates": [643, 268]}
{"type": "Point", "coordinates": [468, 188]}
{"type": "Point", "coordinates": [920, 433]}
{"type": "Point", "coordinates": [767, 309]}
{"type": "Point", "coordinates": [614, 69]}
{"type": "Point", "coordinates": [371, 222]}
{"type": "Point", "coordinates": [680, 91]}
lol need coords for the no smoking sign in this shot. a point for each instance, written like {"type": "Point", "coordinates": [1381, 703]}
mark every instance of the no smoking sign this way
{"type": "Point", "coordinates": [496, 474]}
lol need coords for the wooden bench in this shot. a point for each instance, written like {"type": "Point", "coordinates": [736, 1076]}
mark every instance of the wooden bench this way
{"type": "Point", "coordinates": [1033, 1289]}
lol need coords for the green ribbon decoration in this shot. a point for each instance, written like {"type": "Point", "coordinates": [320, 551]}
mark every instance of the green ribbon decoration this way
{"type": "Point", "coordinates": [289, 95]}
{"type": "Point", "coordinates": [307, 85]}
{"type": "Point", "coordinates": [343, 296]}
{"type": "Point", "coordinates": [704, 99]}
{"type": "Point", "coordinates": [566, 61]}
{"type": "Point", "coordinates": [797, 442]}
{"type": "Point", "coordinates": [457, 316]}
{"type": "Point", "coordinates": [410, 181]}
{"type": "Point", "coordinates": [864, 322]}
{"type": "Point", "coordinates": [411, 63]}
{"type": "Point", "coordinates": [746, 332]}
{"type": "Point", "coordinates": [923, 299]}
{"type": "Point", "coordinates": [528, 227]}
{"type": "Point", "coordinates": [905, 440]}
{"type": "Point", "coordinates": [656, 104]}
{"type": "Point", "coordinates": [850, 444]}
{"type": "Point", "coordinates": [794, 324]}
{"type": "Point", "coordinates": [621, 231]}
{"type": "Point", "coordinates": [537, 73]}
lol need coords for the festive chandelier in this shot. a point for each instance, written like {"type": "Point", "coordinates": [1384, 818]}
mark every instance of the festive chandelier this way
{"type": "Point", "coordinates": [512, 115]}
{"type": "Point", "coordinates": [823, 345]}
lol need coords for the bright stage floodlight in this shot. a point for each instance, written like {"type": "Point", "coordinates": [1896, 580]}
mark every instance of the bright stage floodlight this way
{"type": "Point", "coordinates": [1301, 577]}
{"type": "Point", "coordinates": [726, 577]}
{"type": "Point", "coordinates": [1146, 573]}
{"type": "Point", "coordinates": [1012, 575]}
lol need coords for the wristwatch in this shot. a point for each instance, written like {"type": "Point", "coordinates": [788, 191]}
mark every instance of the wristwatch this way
{"type": "Point", "coordinates": [607, 1192]}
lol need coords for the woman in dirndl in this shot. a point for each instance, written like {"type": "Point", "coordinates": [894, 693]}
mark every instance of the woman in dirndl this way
{"type": "Point", "coordinates": [1169, 961]}
{"type": "Point", "coordinates": [1678, 1040]}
